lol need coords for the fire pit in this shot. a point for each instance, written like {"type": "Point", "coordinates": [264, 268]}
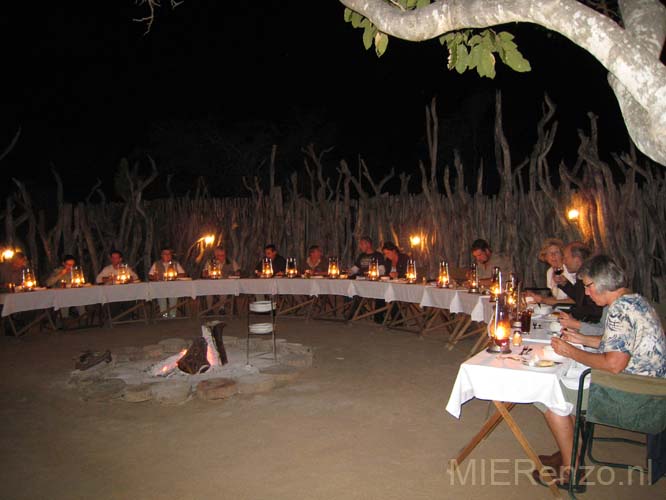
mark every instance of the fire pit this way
{"type": "Point", "coordinates": [211, 366]}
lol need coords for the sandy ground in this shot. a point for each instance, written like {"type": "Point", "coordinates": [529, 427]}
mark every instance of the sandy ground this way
{"type": "Point", "coordinates": [367, 421]}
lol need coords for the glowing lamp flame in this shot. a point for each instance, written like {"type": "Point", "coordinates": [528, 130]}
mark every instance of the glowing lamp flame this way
{"type": "Point", "coordinates": [209, 239]}
{"type": "Point", "coordinates": [415, 240]}
{"type": "Point", "coordinates": [573, 214]}
{"type": "Point", "coordinates": [7, 254]}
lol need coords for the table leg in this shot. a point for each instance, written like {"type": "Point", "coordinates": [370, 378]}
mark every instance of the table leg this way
{"type": "Point", "coordinates": [488, 427]}
{"type": "Point", "coordinates": [545, 475]}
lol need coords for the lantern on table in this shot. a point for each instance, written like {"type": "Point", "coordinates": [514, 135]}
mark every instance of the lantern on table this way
{"type": "Point", "coordinates": [373, 270]}
{"type": "Point", "coordinates": [499, 329]}
{"type": "Point", "coordinates": [77, 279]}
{"type": "Point", "coordinates": [266, 268]}
{"type": "Point", "coordinates": [29, 281]}
{"type": "Point", "coordinates": [496, 284]}
{"type": "Point", "coordinates": [292, 268]}
{"type": "Point", "coordinates": [333, 268]}
{"type": "Point", "coordinates": [474, 279]}
{"type": "Point", "coordinates": [171, 273]}
{"type": "Point", "coordinates": [123, 275]}
{"type": "Point", "coordinates": [443, 278]}
{"type": "Point", "coordinates": [214, 270]}
{"type": "Point", "coordinates": [410, 274]}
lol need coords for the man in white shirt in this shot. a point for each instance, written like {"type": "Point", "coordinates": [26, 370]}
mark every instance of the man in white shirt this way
{"type": "Point", "coordinates": [157, 272]}
{"type": "Point", "coordinates": [107, 275]}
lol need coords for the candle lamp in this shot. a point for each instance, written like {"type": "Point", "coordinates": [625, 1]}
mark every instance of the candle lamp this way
{"type": "Point", "coordinates": [496, 284]}
{"type": "Point", "coordinates": [292, 268]}
{"type": "Point", "coordinates": [443, 278]}
{"type": "Point", "coordinates": [266, 268]}
{"type": "Point", "coordinates": [333, 268]}
{"type": "Point", "coordinates": [499, 329]}
{"type": "Point", "coordinates": [373, 270]}
{"type": "Point", "coordinates": [29, 281]}
{"type": "Point", "coordinates": [474, 288]}
{"type": "Point", "coordinates": [123, 275]}
{"type": "Point", "coordinates": [77, 279]}
{"type": "Point", "coordinates": [170, 274]}
{"type": "Point", "coordinates": [214, 270]}
{"type": "Point", "coordinates": [410, 274]}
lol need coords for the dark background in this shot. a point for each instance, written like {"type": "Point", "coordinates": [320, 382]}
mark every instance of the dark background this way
{"type": "Point", "coordinates": [214, 84]}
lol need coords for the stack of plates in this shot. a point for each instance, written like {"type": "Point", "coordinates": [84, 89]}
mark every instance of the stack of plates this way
{"type": "Point", "coordinates": [261, 306]}
{"type": "Point", "coordinates": [261, 328]}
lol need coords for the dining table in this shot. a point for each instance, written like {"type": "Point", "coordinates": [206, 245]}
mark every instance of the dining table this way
{"type": "Point", "coordinates": [507, 380]}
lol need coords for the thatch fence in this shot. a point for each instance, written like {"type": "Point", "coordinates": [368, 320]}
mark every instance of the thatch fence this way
{"type": "Point", "coordinates": [622, 212]}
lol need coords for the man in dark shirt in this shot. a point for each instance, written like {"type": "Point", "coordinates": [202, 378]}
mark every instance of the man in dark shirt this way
{"type": "Point", "coordinates": [12, 271]}
{"type": "Point", "coordinates": [584, 309]}
{"type": "Point", "coordinates": [279, 262]}
{"type": "Point", "coordinates": [362, 262]}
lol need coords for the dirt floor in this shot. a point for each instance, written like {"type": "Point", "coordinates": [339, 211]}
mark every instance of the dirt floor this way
{"type": "Point", "coordinates": [367, 421]}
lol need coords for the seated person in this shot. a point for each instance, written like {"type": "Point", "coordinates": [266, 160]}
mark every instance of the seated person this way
{"type": "Point", "coordinates": [62, 272]}
{"type": "Point", "coordinates": [632, 342]}
{"type": "Point", "coordinates": [108, 274]}
{"type": "Point", "coordinates": [315, 264]}
{"type": "Point", "coordinates": [395, 261]}
{"type": "Point", "coordinates": [362, 262]}
{"type": "Point", "coordinates": [486, 261]}
{"type": "Point", "coordinates": [552, 252]}
{"type": "Point", "coordinates": [227, 266]}
{"type": "Point", "coordinates": [279, 262]}
{"type": "Point", "coordinates": [157, 272]}
{"type": "Point", "coordinates": [584, 308]}
{"type": "Point", "coordinates": [11, 273]}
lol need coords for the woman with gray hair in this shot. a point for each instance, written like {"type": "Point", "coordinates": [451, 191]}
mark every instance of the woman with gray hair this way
{"type": "Point", "coordinates": [632, 342]}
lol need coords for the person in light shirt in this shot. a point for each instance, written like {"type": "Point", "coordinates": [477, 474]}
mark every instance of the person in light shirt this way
{"type": "Point", "coordinates": [552, 253]}
{"type": "Point", "coordinates": [486, 260]}
{"type": "Point", "coordinates": [157, 272]}
{"type": "Point", "coordinates": [107, 275]}
{"type": "Point", "coordinates": [632, 342]}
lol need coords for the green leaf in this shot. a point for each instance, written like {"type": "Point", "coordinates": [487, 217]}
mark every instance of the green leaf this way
{"type": "Point", "coordinates": [411, 4]}
{"type": "Point", "coordinates": [366, 23]}
{"type": "Point", "coordinates": [461, 58]}
{"type": "Point", "coordinates": [488, 40]}
{"type": "Point", "coordinates": [356, 19]}
{"type": "Point", "coordinates": [486, 66]}
{"type": "Point", "coordinates": [515, 60]}
{"type": "Point", "coordinates": [368, 35]}
{"type": "Point", "coordinates": [453, 58]}
{"type": "Point", "coordinates": [505, 36]}
{"type": "Point", "coordinates": [475, 40]}
{"type": "Point", "coordinates": [422, 3]}
{"type": "Point", "coordinates": [475, 56]}
{"type": "Point", "coordinates": [348, 14]}
{"type": "Point", "coordinates": [381, 42]}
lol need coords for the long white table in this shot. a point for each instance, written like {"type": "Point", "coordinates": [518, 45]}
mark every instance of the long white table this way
{"type": "Point", "coordinates": [457, 301]}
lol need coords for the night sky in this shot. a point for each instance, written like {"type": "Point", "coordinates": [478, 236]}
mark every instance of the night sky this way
{"type": "Point", "coordinates": [214, 84]}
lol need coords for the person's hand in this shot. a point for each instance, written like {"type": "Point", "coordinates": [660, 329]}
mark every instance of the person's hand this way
{"type": "Point", "coordinates": [562, 347]}
{"type": "Point", "coordinates": [393, 275]}
{"type": "Point", "coordinates": [572, 336]}
{"type": "Point", "coordinates": [534, 296]}
{"type": "Point", "coordinates": [567, 321]}
{"type": "Point", "coordinates": [559, 279]}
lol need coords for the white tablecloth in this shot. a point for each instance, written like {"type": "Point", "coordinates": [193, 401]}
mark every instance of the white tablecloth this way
{"type": "Point", "coordinates": [488, 376]}
{"type": "Point", "coordinates": [456, 300]}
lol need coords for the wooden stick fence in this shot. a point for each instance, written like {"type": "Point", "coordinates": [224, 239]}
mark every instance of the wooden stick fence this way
{"type": "Point", "coordinates": [624, 216]}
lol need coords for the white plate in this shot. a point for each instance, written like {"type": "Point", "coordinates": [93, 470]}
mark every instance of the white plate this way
{"type": "Point", "coordinates": [316, 277]}
{"type": "Point", "coordinates": [261, 328]}
{"type": "Point", "coordinates": [233, 277]}
{"type": "Point", "coordinates": [542, 369]}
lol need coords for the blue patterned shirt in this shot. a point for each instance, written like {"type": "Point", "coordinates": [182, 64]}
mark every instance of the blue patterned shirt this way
{"type": "Point", "coordinates": [633, 327]}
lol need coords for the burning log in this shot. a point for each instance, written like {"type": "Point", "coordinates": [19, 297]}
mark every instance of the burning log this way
{"type": "Point", "coordinates": [206, 351]}
{"type": "Point", "coordinates": [195, 360]}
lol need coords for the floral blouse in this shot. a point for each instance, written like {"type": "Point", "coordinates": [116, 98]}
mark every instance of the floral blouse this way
{"type": "Point", "coordinates": [633, 326]}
